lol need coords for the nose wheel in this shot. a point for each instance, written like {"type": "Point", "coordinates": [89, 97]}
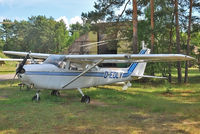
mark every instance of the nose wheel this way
{"type": "Point", "coordinates": [36, 97]}
{"type": "Point", "coordinates": [85, 98]}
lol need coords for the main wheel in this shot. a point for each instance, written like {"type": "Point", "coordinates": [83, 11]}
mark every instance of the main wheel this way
{"type": "Point", "coordinates": [85, 99]}
{"type": "Point", "coordinates": [55, 93]}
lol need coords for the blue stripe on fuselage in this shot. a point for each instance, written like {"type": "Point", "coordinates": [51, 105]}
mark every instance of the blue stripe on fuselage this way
{"type": "Point", "coordinates": [93, 74]}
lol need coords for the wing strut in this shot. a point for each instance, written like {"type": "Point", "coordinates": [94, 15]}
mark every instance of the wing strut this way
{"type": "Point", "coordinates": [83, 73]}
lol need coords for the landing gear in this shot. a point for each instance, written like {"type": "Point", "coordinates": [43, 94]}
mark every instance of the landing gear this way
{"type": "Point", "coordinates": [21, 85]}
{"type": "Point", "coordinates": [85, 98]}
{"type": "Point", "coordinates": [36, 97]}
{"type": "Point", "coordinates": [126, 85]}
{"type": "Point", "coordinates": [55, 93]}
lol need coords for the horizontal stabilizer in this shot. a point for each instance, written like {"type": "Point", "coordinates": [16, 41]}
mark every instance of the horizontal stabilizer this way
{"type": "Point", "coordinates": [149, 76]}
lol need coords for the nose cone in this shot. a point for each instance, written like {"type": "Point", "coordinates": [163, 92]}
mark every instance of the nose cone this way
{"type": "Point", "coordinates": [23, 74]}
{"type": "Point", "coordinates": [24, 78]}
{"type": "Point", "coordinates": [22, 71]}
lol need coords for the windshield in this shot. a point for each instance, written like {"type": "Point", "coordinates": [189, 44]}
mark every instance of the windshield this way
{"type": "Point", "coordinates": [54, 59]}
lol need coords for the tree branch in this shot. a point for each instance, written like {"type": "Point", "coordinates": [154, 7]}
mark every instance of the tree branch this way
{"type": "Point", "coordinates": [123, 10]}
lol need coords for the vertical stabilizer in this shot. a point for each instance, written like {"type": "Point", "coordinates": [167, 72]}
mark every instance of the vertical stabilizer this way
{"type": "Point", "coordinates": [138, 68]}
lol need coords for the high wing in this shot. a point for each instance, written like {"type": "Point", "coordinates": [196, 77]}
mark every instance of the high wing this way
{"type": "Point", "coordinates": [124, 58]}
{"type": "Point", "coordinates": [33, 55]}
{"type": "Point", "coordinates": [19, 60]}
{"type": "Point", "coordinates": [112, 58]}
{"type": "Point", "coordinates": [6, 59]}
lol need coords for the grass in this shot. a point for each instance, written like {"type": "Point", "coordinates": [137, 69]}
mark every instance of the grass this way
{"type": "Point", "coordinates": [8, 67]}
{"type": "Point", "coordinates": [143, 108]}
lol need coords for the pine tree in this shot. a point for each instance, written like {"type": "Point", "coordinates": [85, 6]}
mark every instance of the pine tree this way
{"type": "Point", "coordinates": [188, 41]}
{"type": "Point", "coordinates": [178, 40]}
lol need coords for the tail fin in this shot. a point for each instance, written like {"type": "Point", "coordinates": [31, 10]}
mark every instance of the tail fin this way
{"type": "Point", "coordinates": [138, 68]}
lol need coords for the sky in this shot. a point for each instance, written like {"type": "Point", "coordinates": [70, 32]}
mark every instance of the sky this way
{"type": "Point", "coordinates": [68, 10]}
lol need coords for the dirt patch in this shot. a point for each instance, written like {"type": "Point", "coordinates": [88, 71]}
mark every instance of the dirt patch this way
{"type": "Point", "coordinates": [98, 103]}
{"type": "Point", "coordinates": [3, 97]}
{"type": "Point", "coordinates": [138, 117]}
{"type": "Point", "coordinates": [6, 77]}
{"type": "Point", "coordinates": [167, 94]}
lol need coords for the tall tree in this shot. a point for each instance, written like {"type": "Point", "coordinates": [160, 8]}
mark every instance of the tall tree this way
{"type": "Point", "coordinates": [135, 23]}
{"type": "Point", "coordinates": [1, 39]}
{"type": "Point", "coordinates": [178, 40]}
{"type": "Point", "coordinates": [188, 41]}
{"type": "Point", "coordinates": [152, 25]}
{"type": "Point", "coordinates": [170, 47]}
{"type": "Point", "coordinates": [108, 11]}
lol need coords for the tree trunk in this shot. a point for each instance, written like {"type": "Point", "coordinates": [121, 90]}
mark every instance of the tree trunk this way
{"type": "Point", "coordinates": [135, 21]}
{"type": "Point", "coordinates": [178, 41]}
{"type": "Point", "coordinates": [152, 25]}
{"type": "Point", "coordinates": [152, 33]}
{"type": "Point", "coordinates": [170, 48]}
{"type": "Point", "coordinates": [188, 43]}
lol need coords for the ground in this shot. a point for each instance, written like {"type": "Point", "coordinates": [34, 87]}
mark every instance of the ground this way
{"type": "Point", "coordinates": [143, 108]}
{"type": "Point", "coordinates": [6, 77]}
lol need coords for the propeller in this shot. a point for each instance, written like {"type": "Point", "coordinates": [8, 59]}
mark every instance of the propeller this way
{"type": "Point", "coordinates": [20, 68]}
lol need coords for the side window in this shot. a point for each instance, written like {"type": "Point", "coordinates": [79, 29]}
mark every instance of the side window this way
{"type": "Point", "coordinates": [96, 68]}
{"type": "Point", "coordinates": [75, 66]}
{"type": "Point", "coordinates": [62, 64]}
{"type": "Point", "coordinates": [72, 67]}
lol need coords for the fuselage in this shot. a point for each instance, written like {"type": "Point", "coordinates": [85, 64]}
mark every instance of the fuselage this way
{"type": "Point", "coordinates": [49, 76]}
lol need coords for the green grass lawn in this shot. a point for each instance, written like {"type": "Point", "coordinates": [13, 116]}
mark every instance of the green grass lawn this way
{"type": "Point", "coordinates": [143, 108]}
{"type": "Point", "coordinates": [8, 67]}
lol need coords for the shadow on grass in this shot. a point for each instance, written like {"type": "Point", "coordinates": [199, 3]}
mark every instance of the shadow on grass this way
{"type": "Point", "coordinates": [144, 108]}
{"type": "Point", "coordinates": [148, 101]}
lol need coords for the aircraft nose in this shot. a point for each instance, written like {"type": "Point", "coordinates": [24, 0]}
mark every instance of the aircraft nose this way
{"type": "Point", "coordinates": [23, 77]}
{"type": "Point", "coordinates": [20, 76]}
{"type": "Point", "coordinates": [22, 71]}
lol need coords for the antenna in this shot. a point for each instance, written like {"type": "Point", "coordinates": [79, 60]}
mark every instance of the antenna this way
{"type": "Point", "coordinates": [143, 45]}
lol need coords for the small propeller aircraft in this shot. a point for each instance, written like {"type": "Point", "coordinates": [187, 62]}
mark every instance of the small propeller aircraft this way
{"type": "Point", "coordinates": [62, 72]}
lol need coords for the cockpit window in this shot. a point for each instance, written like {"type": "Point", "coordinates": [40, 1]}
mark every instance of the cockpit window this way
{"type": "Point", "coordinates": [75, 66]}
{"type": "Point", "coordinates": [56, 60]}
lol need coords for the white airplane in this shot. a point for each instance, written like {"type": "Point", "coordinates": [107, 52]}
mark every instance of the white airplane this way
{"type": "Point", "coordinates": [62, 72]}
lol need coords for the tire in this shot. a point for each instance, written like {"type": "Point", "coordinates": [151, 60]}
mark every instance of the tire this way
{"type": "Point", "coordinates": [85, 99]}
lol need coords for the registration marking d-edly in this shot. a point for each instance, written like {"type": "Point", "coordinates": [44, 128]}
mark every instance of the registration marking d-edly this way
{"type": "Point", "coordinates": [113, 75]}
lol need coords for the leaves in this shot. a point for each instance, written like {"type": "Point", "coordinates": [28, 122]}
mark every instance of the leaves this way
{"type": "Point", "coordinates": [38, 34]}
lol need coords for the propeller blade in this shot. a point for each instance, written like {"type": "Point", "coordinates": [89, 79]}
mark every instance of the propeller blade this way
{"type": "Point", "coordinates": [21, 65]}
{"type": "Point", "coordinates": [20, 68]}
{"type": "Point", "coordinates": [13, 80]}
